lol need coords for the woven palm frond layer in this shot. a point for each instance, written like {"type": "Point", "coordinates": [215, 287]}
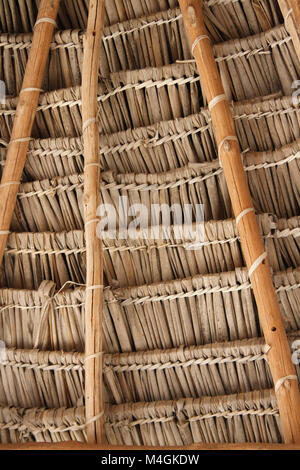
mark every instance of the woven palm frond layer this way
{"type": "Point", "coordinates": [184, 357]}
{"type": "Point", "coordinates": [233, 18]}
{"type": "Point", "coordinates": [249, 417]}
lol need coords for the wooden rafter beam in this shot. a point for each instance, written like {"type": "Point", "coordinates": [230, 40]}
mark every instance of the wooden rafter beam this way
{"type": "Point", "coordinates": [25, 115]}
{"type": "Point", "coordinates": [279, 355]}
{"type": "Point", "coordinates": [94, 256]}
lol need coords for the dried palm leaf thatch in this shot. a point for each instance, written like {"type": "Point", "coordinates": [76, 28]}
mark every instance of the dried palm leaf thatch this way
{"type": "Point", "coordinates": [19, 15]}
{"type": "Point", "coordinates": [54, 379]}
{"type": "Point", "coordinates": [32, 257]}
{"type": "Point", "coordinates": [51, 379]}
{"type": "Point", "coordinates": [138, 98]}
{"type": "Point", "coordinates": [195, 371]}
{"type": "Point", "coordinates": [225, 19]}
{"type": "Point", "coordinates": [245, 417]}
{"type": "Point", "coordinates": [41, 424]}
{"type": "Point", "coordinates": [200, 310]}
{"type": "Point", "coordinates": [269, 123]}
{"type": "Point", "coordinates": [147, 42]}
{"type": "Point", "coordinates": [57, 204]}
{"type": "Point", "coordinates": [235, 418]}
{"type": "Point", "coordinates": [250, 67]}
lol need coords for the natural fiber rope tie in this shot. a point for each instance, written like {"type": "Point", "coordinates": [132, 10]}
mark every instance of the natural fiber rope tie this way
{"type": "Point", "coordinates": [46, 20]}
{"type": "Point", "coordinates": [30, 89]}
{"type": "Point", "coordinates": [20, 140]}
{"type": "Point", "coordinates": [281, 381]}
{"type": "Point", "coordinates": [197, 40]}
{"type": "Point", "coordinates": [10, 183]}
{"type": "Point", "coordinates": [228, 138]}
{"type": "Point", "coordinates": [92, 164]}
{"type": "Point", "coordinates": [257, 263]}
{"type": "Point", "coordinates": [242, 214]}
{"type": "Point", "coordinates": [216, 100]}
{"type": "Point", "coordinates": [93, 356]}
{"type": "Point", "coordinates": [87, 123]}
{"type": "Point", "coordinates": [93, 221]}
{"type": "Point", "coordinates": [4, 232]}
{"type": "Point", "coordinates": [95, 287]}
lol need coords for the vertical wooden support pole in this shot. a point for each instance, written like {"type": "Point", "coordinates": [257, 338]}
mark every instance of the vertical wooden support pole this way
{"type": "Point", "coordinates": [94, 256]}
{"type": "Point", "coordinates": [25, 115]}
{"type": "Point", "coordinates": [282, 368]}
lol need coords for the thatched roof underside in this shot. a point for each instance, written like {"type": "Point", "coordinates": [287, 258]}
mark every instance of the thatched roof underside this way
{"type": "Point", "coordinates": [185, 360]}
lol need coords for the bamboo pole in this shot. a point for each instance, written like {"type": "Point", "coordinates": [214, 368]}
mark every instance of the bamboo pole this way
{"type": "Point", "coordinates": [94, 256]}
{"type": "Point", "coordinates": [279, 355]}
{"type": "Point", "coordinates": [25, 115]}
{"type": "Point", "coordinates": [291, 13]}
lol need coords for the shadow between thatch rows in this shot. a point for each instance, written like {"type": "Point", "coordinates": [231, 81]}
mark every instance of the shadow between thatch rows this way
{"type": "Point", "coordinates": [249, 417]}
{"type": "Point", "coordinates": [156, 40]}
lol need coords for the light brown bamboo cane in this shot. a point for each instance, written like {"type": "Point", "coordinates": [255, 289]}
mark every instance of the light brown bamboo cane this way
{"type": "Point", "coordinates": [291, 13]}
{"type": "Point", "coordinates": [94, 261]}
{"type": "Point", "coordinates": [25, 115]}
{"type": "Point", "coordinates": [279, 355]}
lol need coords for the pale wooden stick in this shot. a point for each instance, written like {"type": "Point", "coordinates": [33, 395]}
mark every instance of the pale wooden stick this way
{"type": "Point", "coordinates": [25, 115]}
{"type": "Point", "coordinates": [279, 356]}
{"type": "Point", "coordinates": [291, 13]}
{"type": "Point", "coordinates": [94, 255]}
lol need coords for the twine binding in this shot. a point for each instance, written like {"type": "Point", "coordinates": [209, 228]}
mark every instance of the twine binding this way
{"type": "Point", "coordinates": [242, 214]}
{"type": "Point", "coordinates": [45, 20]}
{"type": "Point", "coordinates": [197, 40]}
{"type": "Point", "coordinates": [228, 138]}
{"type": "Point", "coordinates": [217, 99]}
{"type": "Point", "coordinates": [281, 381]}
{"type": "Point", "coordinates": [257, 263]}
{"type": "Point", "coordinates": [87, 123]}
